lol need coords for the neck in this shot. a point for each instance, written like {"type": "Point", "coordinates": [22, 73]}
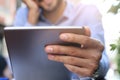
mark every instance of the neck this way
{"type": "Point", "coordinates": [54, 16]}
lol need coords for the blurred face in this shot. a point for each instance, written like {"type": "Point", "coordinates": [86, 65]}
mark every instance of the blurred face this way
{"type": "Point", "coordinates": [49, 5]}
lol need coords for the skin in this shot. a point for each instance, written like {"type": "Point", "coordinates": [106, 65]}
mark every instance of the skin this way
{"type": "Point", "coordinates": [7, 73]}
{"type": "Point", "coordinates": [51, 8]}
{"type": "Point", "coordinates": [82, 61]}
{"type": "Point", "coordinates": [1, 20]}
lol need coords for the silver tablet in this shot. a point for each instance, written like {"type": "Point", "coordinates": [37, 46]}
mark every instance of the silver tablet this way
{"type": "Point", "coordinates": [27, 56]}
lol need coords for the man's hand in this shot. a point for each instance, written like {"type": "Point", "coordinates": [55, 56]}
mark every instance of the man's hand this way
{"type": "Point", "coordinates": [34, 12]}
{"type": "Point", "coordinates": [82, 60]}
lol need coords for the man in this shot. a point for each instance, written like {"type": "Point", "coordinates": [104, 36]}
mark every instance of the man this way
{"type": "Point", "coordinates": [85, 61]}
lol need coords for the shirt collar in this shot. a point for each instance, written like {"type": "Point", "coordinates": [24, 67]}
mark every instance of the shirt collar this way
{"type": "Point", "coordinates": [68, 9]}
{"type": "Point", "coordinates": [66, 13]}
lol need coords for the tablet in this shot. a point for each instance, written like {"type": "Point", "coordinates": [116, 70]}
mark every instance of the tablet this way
{"type": "Point", "coordinates": [27, 56]}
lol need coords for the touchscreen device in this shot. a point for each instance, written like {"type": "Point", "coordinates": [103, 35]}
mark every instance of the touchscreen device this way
{"type": "Point", "coordinates": [27, 56]}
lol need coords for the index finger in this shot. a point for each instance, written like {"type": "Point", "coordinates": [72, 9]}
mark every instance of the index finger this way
{"type": "Point", "coordinates": [80, 39]}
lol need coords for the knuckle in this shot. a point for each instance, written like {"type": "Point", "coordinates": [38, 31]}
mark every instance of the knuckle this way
{"type": "Point", "coordinates": [90, 73]}
{"type": "Point", "coordinates": [100, 46]}
{"type": "Point", "coordinates": [86, 40]}
{"type": "Point", "coordinates": [96, 56]}
{"type": "Point", "coordinates": [94, 66]}
{"type": "Point", "coordinates": [59, 59]}
{"type": "Point", "coordinates": [72, 51]}
{"type": "Point", "coordinates": [72, 38]}
{"type": "Point", "coordinates": [93, 56]}
{"type": "Point", "coordinates": [71, 60]}
{"type": "Point", "coordinates": [57, 49]}
{"type": "Point", "coordinates": [99, 56]}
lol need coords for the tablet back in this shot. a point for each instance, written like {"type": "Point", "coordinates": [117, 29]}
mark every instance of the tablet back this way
{"type": "Point", "coordinates": [28, 58]}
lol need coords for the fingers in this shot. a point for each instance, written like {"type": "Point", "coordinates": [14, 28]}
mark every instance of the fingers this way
{"type": "Point", "coordinates": [86, 63]}
{"type": "Point", "coordinates": [82, 61]}
{"type": "Point", "coordinates": [80, 39]}
{"type": "Point", "coordinates": [63, 50]}
{"type": "Point", "coordinates": [84, 72]}
{"type": "Point", "coordinates": [71, 51]}
{"type": "Point", "coordinates": [87, 31]}
{"type": "Point", "coordinates": [31, 4]}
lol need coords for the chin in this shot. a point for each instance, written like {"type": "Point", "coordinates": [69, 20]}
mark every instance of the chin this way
{"type": "Point", "coordinates": [49, 10]}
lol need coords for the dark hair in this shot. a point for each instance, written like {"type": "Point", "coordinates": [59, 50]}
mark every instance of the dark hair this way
{"type": "Point", "coordinates": [3, 65]}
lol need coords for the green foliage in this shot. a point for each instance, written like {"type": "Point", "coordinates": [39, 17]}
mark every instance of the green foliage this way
{"type": "Point", "coordinates": [116, 47]}
{"type": "Point", "coordinates": [114, 8]}
{"type": "Point", "coordinates": [118, 62]}
{"type": "Point", "coordinates": [113, 47]}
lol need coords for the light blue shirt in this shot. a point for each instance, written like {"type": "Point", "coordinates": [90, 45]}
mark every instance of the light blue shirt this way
{"type": "Point", "coordinates": [80, 15]}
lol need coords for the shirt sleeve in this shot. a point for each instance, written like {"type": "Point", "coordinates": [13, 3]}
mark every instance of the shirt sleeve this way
{"type": "Point", "coordinates": [21, 17]}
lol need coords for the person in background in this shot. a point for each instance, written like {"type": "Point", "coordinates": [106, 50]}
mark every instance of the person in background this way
{"type": "Point", "coordinates": [88, 61]}
{"type": "Point", "coordinates": [3, 65]}
{"type": "Point", "coordinates": [5, 72]}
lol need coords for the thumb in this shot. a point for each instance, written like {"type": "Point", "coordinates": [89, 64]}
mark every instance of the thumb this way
{"type": "Point", "coordinates": [87, 31]}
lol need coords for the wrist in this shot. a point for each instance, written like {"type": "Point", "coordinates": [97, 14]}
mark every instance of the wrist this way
{"type": "Point", "coordinates": [96, 73]}
{"type": "Point", "coordinates": [33, 9]}
{"type": "Point", "coordinates": [33, 16]}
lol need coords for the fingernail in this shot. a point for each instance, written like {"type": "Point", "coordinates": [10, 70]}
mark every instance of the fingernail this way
{"type": "Point", "coordinates": [49, 49]}
{"type": "Point", "coordinates": [64, 37]}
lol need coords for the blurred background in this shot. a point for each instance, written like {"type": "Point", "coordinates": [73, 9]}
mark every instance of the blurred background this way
{"type": "Point", "coordinates": [110, 10]}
